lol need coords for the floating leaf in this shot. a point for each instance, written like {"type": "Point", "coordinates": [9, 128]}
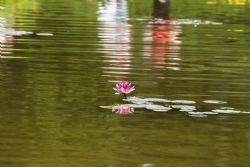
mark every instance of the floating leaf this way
{"type": "Point", "coordinates": [214, 102]}
{"type": "Point", "coordinates": [158, 108]}
{"type": "Point", "coordinates": [138, 105]}
{"type": "Point", "coordinates": [157, 100]}
{"type": "Point", "coordinates": [184, 108]}
{"type": "Point", "coordinates": [245, 112]}
{"type": "Point", "coordinates": [124, 105]}
{"type": "Point", "coordinates": [44, 34]}
{"type": "Point", "coordinates": [226, 111]}
{"type": "Point", "coordinates": [183, 101]}
{"type": "Point", "coordinates": [210, 113]}
{"type": "Point", "coordinates": [106, 107]}
{"type": "Point", "coordinates": [13, 57]}
{"type": "Point", "coordinates": [197, 114]}
{"type": "Point", "coordinates": [137, 100]}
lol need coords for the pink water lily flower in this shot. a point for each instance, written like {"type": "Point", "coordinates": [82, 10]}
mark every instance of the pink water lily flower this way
{"type": "Point", "coordinates": [124, 87]}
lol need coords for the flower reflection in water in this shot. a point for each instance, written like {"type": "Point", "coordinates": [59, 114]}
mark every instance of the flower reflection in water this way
{"type": "Point", "coordinates": [123, 110]}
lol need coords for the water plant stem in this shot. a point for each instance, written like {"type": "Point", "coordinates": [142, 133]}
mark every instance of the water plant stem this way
{"type": "Point", "coordinates": [125, 95]}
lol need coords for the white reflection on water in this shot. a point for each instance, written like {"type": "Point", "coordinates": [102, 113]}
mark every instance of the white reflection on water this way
{"type": "Point", "coordinates": [114, 33]}
{"type": "Point", "coordinates": [5, 38]}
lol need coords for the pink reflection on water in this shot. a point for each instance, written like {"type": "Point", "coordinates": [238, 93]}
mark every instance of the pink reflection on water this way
{"type": "Point", "coordinates": [123, 110]}
{"type": "Point", "coordinates": [163, 49]}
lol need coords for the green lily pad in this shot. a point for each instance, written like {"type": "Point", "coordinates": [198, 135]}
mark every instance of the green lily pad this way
{"type": "Point", "coordinates": [106, 107]}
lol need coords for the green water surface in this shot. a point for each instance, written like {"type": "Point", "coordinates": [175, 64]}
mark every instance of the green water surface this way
{"type": "Point", "coordinates": [60, 60]}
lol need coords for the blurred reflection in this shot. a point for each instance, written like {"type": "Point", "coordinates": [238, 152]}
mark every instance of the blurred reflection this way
{"type": "Point", "coordinates": [161, 9]}
{"type": "Point", "coordinates": [230, 2]}
{"type": "Point", "coordinates": [5, 38]}
{"type": "Point", "coordinates": [123, 110]}
{"type": "Point", "coordinates": [163, 47]}
{"type": "Point", "coordinates": [114, 34]}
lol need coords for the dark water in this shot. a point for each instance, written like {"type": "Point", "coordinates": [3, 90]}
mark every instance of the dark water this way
{"type": "Point", "coordinates": [60, 60]}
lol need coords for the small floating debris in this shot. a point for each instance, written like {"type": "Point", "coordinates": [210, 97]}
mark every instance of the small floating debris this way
{"type": "Point", "coordinates": [45, 34]}
{"type": "Point", "coordinates": [214, 102]}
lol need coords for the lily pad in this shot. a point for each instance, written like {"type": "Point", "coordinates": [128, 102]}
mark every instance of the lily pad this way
{"type": "Point", "coordinates": [158, 108]}
{"type": "Point", "coordinates": [136, 100]}
{"type": "Point", "coordinates": [197, 114]}
{"type": "Point", "coordinates": [124, 105]}
{"type": "Point", "coordinates": [44, 34]}
{"type": "Point", "coordinates": [157, 100]}
{"type": "Point", "coordinates": [13, 57]}
{"type": "Point", "coordinates": [137, 105]}
{"type": "Point", "coordinates": [184, 108]}
{"type": "Point", "coordinates": [183, 101]}
{"type": "Point", "coordinates": [106, 107]}
{"type": "Point", "coordinates": [226, 111]}
{"type": "Point", "coordinates": [214, 102]}
{"type": "Point", "coordinates": [210, 113]}
{"type": "Point", "coordinates": [245, 112]}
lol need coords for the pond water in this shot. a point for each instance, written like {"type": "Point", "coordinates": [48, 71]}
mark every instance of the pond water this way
{"type": "Point", "coordinates": [60, 60]}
